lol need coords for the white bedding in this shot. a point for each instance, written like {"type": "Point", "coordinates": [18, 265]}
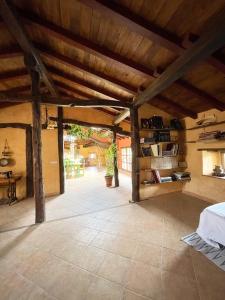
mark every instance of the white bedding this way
{"type": "Point", "coordinates": [212, 225]}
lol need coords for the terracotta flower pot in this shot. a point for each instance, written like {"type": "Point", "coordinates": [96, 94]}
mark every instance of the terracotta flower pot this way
{"type": "Point", "coordinates": [108, 180]}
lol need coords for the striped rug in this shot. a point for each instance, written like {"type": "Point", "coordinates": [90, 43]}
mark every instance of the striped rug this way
{"type": "Point", "coordinates": [217, 256]}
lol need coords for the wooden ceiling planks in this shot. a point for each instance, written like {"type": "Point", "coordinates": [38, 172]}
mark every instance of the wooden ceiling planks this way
{"type": "Point", "coordinates": [98, 29]}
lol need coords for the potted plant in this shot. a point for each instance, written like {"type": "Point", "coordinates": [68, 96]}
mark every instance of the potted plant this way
{"type": "Point", "coordinates": [110, 158]}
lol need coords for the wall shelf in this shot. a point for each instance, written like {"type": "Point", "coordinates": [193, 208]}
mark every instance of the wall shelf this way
{"type": "Point", "coordinates": [152, 184]}
{"type": "Point", "coordinates": [162, 129]}
{"type": "Point", "coordinates": [204, 126]}
{"type": "Point", "coordinates": [156, 143]}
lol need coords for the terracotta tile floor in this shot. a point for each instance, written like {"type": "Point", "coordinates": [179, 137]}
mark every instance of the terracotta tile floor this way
{"type": "Point", "coordinates": [95, 245]}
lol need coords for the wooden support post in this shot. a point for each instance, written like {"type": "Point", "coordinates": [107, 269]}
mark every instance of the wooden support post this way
{"type": "Point", "coordinates": [116, 173]}
{"type": "Point", "coordinates": [29, 162]}
{"type": "Point", "coordinates": [61, 150]}
{"type": "Point", "coordinates": [135, 140]}
{"type": "Point", "coordinates": [37, 158]}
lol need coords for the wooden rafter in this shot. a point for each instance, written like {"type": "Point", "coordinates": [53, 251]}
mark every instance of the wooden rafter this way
{"type": "Point", "coordinates": [11, 52]}
{"type": "Point", "coordinates": [16, 28]}
{"type": "Point", "coordinates": [71, 63]}
{"type": "Point", "coordinates": [13, 75]}
{"type": "Point", "coordinates": [143, 27]}
{"type": "Point", "coordinates": [213, 39]}
{"type": "Point", "coordinates": [108, 110]}
{"type": "Point", "coordinates": [75, 80]}
{"type": "Point", "coordinates": [176, 107]}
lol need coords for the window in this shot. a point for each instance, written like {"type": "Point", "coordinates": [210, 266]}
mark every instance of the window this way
{"type": "Point", "coordinates": [212, 158]}
{"type": "Point", "coordinates": [126, 159]}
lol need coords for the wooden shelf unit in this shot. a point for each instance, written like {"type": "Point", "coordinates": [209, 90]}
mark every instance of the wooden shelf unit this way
{"type": "Point", "coordinates": [162, 169]}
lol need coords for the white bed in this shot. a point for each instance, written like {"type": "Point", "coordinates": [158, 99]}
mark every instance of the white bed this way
{"type": "Point", "coordinates": [212, 225]}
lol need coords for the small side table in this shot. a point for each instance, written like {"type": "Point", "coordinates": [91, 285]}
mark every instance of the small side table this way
{"type": "Point", "coordinates": [10, 184]}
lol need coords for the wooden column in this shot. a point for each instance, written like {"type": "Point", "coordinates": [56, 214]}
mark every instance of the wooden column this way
{"type": "Point", "coordinates": [37, 157]}
{"type": "Point", "coordinates": [61, 150]}
{"type": "Point", "coordinates": [116, 173]}
{"type": "Point", "coordinates": [135, 140]}
{"type": "Point", "coordinates": [29, 162]}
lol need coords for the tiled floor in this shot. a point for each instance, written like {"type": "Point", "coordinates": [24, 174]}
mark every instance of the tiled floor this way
{"type": "Point", "coordinates": [95, 245]}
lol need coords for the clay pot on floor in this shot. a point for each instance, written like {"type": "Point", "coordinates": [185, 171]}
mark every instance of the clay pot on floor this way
{"type": "Point", "coordinates": [108, 180]}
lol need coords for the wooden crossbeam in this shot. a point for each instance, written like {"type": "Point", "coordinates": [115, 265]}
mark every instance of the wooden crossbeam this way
{"type": "Point", "coordinates": [70, 101]}
{"type": "Point", "coordinates": [143, 27]}
{"type": "Point", "coordinates": [16, 28]}
{"type": "Point", "coordinates": [213, 39]}
{"type": "Point", "coordinates": [88, 124]}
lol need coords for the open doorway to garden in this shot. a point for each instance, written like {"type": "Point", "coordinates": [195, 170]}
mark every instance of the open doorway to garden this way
{"type": "Point", "coordinates": [97, 164]}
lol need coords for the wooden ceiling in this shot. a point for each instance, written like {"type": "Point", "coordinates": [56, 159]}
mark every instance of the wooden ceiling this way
{"type": "Point", "coordinates": [114, 49]}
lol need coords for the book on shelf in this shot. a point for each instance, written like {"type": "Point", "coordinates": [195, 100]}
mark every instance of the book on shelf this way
{"type": "Point", "coordinates": [166, 179]}
{"type": "Point", "coordinates": [160, 150]}
{"type": "Point", "coordinates": [156, 176]}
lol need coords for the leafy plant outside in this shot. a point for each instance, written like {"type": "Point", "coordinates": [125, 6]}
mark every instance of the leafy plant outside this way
{"type": "Point", "coordinates": [110, 154]}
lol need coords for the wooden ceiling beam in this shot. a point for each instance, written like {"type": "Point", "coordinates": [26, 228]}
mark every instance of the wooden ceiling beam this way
{"type": "Point", "coordinates": [90, 124]}
{"type": "Point", "coordinates": [106, 110]}
{"type": "Point", "coordinates": [71, 101]}
{"type": "Point", "coordinates": [71, 63]}
{"type": "Point", "coordinates": [13, 75]}
{"type": "Point", "coordinates": [175, 107]}
{"type": "Point", "coordinates": [10, 17]}
{"type": "Point", "coordinates": [11, 52]}
{"type": "Point", "coordinates": [136, 23]}
{"type": "Point", "coordinates": [79, 42]}
{"type": "Point", "coordinates": [75, 80]}
{"type": "Point", "coordinates": [206, 98]}
{"type": "Point", "coordinates": [67, 87]}
{"type": "Point", "coordinates": [209, 42]}
{"type": "Point", "coordinates": [15, 51]}
{"type": "Point", "coordinates": [143, 27]}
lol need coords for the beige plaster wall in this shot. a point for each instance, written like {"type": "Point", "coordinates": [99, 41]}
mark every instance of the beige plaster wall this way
{"type": "Point", "coordinates": [16, 137]}
{"type": "Point", "coordinates": [17, 142]}
{"type": "Point", "coordinates": [207, 188]}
